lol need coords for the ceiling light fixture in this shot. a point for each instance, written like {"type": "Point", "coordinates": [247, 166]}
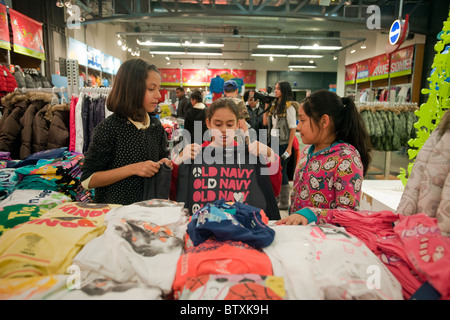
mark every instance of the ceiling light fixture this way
{"type": "Point", "coordinates": [271, 58]}
{"type": "Point", "coordinates": [363, 46]}
{"type": "Point", "coordinates": [60, 4]}
{"type": "Point", "coordinates": [316, 56]}
{"type": "Point", "coordinates": [300, 65]}
{"type": "Point", "coordinates": [277, 46]}
{"type": "Point", "coordinates": [175, 43]}
{"type": "Point", "coordinates": [317, 47]}
{"type": "Point", "coordinates": [353, 51]}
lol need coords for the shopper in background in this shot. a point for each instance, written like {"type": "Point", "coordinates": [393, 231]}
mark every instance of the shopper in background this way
{"type": "Point", "coordinates": [131, 144]}
{"type": "Point", "coordinates": [331, 167]}
{"type": "Point", "coordinates": [256, 114]}
{"type": "Point", "coordinates": [184, 104]}
{"type": "Point", "coordinates": [231, 90]}
{"type": "Point", "coordinates": [282, 116]}
{"type": "Point", "coordinates": [195, 116]}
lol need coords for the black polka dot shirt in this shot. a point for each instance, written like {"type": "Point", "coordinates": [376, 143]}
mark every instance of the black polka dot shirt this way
{"type": "Point", "coordinates": [117, 142]}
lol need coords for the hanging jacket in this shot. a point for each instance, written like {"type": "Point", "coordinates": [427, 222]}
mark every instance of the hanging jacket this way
{"type": "Point", "coordinates": [8, 106]}
{"type": "Point", "coordinates": [40, 130]}
{"type": "Point", "coordinates": [7, 81]}
{"type": "Point", "coordinates": [10, 134]}
{"type": "Point", "coordinates": [37, 101]}
{"type": "Point", "coordinates": [58, 117]}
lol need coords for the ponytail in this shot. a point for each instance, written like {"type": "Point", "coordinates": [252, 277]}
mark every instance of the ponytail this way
{"type": "Point", "coordinates": [348, 124]}
{"type": "Point", "coordinates": [353, 131]}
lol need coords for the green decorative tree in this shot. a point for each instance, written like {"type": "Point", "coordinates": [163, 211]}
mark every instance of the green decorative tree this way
{"type": "Point", "coordinates": [430, 113]}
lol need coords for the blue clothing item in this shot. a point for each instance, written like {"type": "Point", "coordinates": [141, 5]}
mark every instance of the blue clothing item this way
{"type": "Point", "coordinates": [236, 222]}
{"type": "Point", "coordinates": [33, 159]}
{"type": "Point", "coordinates": [216, 84]}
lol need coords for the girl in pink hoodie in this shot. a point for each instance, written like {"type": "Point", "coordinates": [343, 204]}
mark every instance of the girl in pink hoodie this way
{"type": "Point", "coordinates": [331, 167]}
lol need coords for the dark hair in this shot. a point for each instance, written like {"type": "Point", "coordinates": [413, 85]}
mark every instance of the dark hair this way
{"type": "Point", "coordinates": [286, 92]}
{"type": "Point", "coordinates": [180, 89]}
{"type": "Point", "coordinates": [222, 103]}
{"type": "Point", "coordinates": [129, 88]}
{"type": "Point", "coordinates": [348, 124]}
{"type": "Point", "coordinates": [197, 95]}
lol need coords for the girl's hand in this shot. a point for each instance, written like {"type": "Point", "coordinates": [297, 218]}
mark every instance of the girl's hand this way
{"type": "Point", "coordinates": [145, 169]}
{"type": "Point", "coordinates": [257, 148]}
{"type": "Point", "coordinates": [189, 152]}
{"type": "Point", "coordinates": [293, 219]}
{"type": "Point", "coordinates": [167, 162]}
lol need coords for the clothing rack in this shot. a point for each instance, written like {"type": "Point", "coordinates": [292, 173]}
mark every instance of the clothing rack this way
{"type": "Point", "coordinates": [94, 90]}
{"type": "Point", "coordinates": [402, 109]}
{"type": "Point", "coordinates": [54, 90]}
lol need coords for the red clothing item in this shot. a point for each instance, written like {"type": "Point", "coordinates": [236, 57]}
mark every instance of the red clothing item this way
{"type": "Point", "coordinates": [275, 178]}
{"type": "Point", "coordinates": [220, 257]}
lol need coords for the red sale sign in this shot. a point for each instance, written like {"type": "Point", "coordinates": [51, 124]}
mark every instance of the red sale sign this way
{"type": "Point", "coordinates": [379, 67]}
{"type": "Point", "coordinates": [202, 77]}
{"type": "Point", "coordinates": [401, 61]}
{"type": "Point", "coordinates": [27, 35]}
{"type": "Point", "coordinates": [4, 30]}
{"type": "Point", "coordinates": [350, 74]}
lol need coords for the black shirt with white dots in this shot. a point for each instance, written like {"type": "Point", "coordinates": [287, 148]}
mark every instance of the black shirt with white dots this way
{"type": "Point", "coordinates": [117, 142]}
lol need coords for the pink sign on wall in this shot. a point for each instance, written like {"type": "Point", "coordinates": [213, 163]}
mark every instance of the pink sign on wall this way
{"type": "Point", "coordinates": [27, 35]}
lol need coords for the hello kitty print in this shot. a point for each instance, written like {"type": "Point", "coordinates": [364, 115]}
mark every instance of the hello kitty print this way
{"type": "Point", "coordinates": [327, 180]}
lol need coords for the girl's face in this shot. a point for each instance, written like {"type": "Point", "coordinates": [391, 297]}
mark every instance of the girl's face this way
{"type": "Point", "coordinates": [277, 91]}
{"type": "Point", "coordinates": [306, 126]}
{"type": "Point", "coordinates": [222, 124]}
{"type": "Point", "coordinates": [152, 95]}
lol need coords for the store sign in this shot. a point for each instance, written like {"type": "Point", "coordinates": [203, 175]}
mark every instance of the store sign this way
{"type": "Point", "coordinates": [395, 32]}
{"type": "Point", "coordinates": [27, 35]}
{"type": "Point", "coordinates": [362, 71]}
{"type": "Point", "coordinates": [202, 77]}
{"type": "Point", "coordinates": [350, 74]}
{"type": "Point", "coordinates": [402, 61]}
{"type": "Point", "coordinates": [94, 58]}
{"type": "Point", "coordinates": [78, 51]}
{"type": "Point", "coordinates": [4, 29]}
{"type": "Point", "coordinates": [107, 63]}
{"type": "Point", "coordinates": [379, 67]}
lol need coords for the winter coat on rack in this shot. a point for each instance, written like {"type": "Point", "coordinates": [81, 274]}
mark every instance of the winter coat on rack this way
{"type": "Point", "coordinates": [7, 81]}
{"type": "Point", "coordinates": [23, 79]}
{"type": "Point", "coordinates": [51, 127]}
{"type": "Point", "coordinates": [58, 117]}
{"type": "Point", "coordinates": [37, 101]}
{"type": "Point", "coordinates": [7, 106]}
{"type": "Point", "coordinates": [39, 80]}
{"type": "Point", "coordinates": [10, 134]}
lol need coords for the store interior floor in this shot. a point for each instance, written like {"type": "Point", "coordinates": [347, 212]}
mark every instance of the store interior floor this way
{"type": "Point", "coordinates": [398, 159]}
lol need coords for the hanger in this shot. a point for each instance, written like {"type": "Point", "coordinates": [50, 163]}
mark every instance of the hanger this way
{"type": "Point", "coordinates": [63, 97]}
{"type": "Point", "coordinates": [55, 99]}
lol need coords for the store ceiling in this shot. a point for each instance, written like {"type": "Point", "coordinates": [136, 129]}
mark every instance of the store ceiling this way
{"type": "Point", "coordinates": [250, 21]}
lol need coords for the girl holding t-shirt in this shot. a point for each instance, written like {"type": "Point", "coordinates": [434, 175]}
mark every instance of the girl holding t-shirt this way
{"type": "Point", "coordinates": [131, 144]}
{"type": "Point", "coordinates": [331, 167]}
{"type": "Point", "coordinates": [222, 118]}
